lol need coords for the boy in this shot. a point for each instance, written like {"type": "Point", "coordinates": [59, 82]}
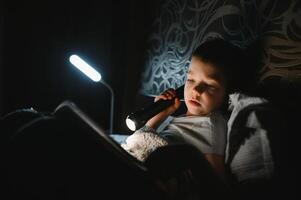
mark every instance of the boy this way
{"type": "Point", "coordinates": [211, 78]}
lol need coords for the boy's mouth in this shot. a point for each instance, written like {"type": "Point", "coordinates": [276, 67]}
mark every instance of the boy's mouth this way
{"type": "Point", "coordinates": [194, 102]}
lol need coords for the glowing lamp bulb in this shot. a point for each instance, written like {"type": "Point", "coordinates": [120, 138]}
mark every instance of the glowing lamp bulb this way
{"type": "Point", "coordinates": [85, 68]}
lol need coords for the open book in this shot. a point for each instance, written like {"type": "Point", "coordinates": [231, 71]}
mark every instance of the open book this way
{"type": "Point", "coordinates": [68, 110]}
{"type": "Point", "coordinates": [66, 155]}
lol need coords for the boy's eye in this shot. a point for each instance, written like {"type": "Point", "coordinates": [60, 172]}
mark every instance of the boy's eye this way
{"type": "Point", "coordinates": [211, 88]}
{"type": "Point", "coordinates": [189, 80]}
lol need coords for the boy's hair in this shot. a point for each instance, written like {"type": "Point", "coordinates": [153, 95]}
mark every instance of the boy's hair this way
{"type": "Point", "coordinates": [230, 59]}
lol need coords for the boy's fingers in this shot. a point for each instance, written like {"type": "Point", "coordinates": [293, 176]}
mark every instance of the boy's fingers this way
{"type": "Point", "coordinates": [177, 102]}
{"type": "Point", "coordinates": [166, 95]}
{"type": "Point", "coordinates": [170, 93]}
{"type": "Point", "coordinates": [161, 97]}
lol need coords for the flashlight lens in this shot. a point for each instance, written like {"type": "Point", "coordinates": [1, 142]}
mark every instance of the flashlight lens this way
{"type": "Point", "coordinates": [130, 124]}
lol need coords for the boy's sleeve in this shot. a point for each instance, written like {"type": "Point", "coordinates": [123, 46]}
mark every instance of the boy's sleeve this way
{"type": "Point", "coordinates": [143, 142]}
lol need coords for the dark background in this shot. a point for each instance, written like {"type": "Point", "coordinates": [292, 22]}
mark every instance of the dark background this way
{"type": "Point", "coordinates": [37, 38]}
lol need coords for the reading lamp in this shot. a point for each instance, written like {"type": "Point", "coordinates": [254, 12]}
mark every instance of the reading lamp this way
{"type": "Point", "coordinates": [96, 77]}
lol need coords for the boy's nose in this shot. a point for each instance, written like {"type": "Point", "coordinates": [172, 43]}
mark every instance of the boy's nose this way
{"type": "Point", "coordinates": [198, 89]}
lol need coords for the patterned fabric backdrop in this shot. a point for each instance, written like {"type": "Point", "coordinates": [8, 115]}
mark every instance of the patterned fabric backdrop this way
{"type": "Point", "coordinates": [182, 25]}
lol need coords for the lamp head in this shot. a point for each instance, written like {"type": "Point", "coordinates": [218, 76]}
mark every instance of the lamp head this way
{"type": "Point", "coordinates": [85, 68]}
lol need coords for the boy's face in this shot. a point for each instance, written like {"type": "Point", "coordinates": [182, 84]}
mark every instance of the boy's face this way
{"type": "Point", "coordinates": [205, 88]}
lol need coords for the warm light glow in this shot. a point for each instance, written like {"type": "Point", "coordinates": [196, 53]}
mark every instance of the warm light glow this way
{"type": "Point", "coordinates": [85, 68]}
{"type": "Point", "coordinates": [130, 124]}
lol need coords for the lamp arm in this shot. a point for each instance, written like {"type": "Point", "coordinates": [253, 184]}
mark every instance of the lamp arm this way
{"type": "Point", "coordinates": [111, 106]}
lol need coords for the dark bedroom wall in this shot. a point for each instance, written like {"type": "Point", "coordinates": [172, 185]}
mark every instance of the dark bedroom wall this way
{"type": "Point", "coordinates": [1, 54]}
{"type": "Point", "coordinates": [141, 15]}
{"type": "Point", "coordinates": [40, 36]}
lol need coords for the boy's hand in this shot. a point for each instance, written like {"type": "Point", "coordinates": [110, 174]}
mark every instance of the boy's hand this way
{"type": "Point", "coordinates": [159, 118]}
